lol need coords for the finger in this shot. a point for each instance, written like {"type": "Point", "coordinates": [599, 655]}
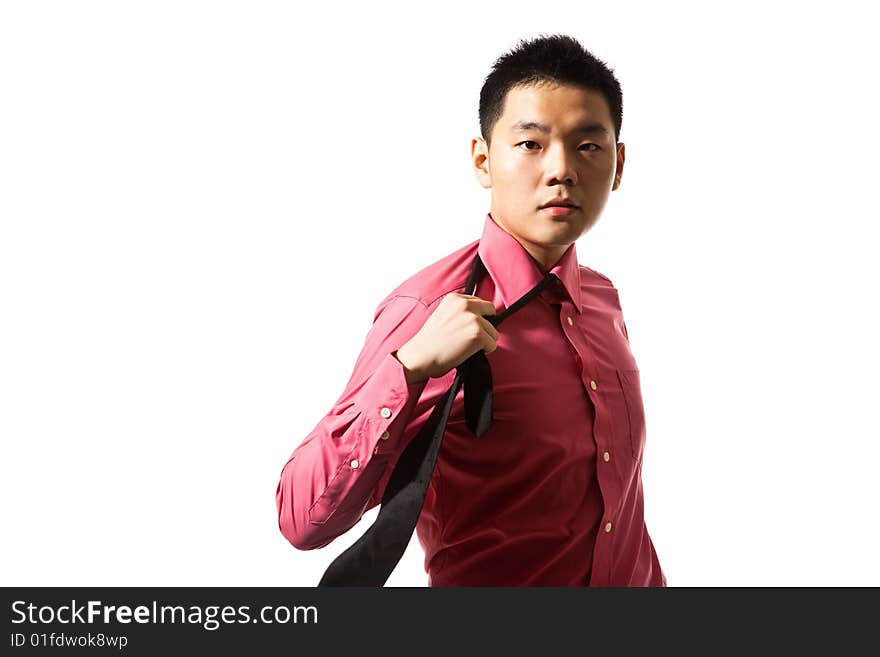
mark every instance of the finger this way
{"type": "Point", "coordinates": [480, 306]}
{"type": "Point", "coordinates": [488, 328]}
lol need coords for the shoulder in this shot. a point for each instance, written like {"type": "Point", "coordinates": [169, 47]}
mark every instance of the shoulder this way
{"type": "Point", "coordinates": [430, 284]}
{"type": "Point", "coordinates": [597, 288]}
{"type": "Point", "coordinates": [594, 277]}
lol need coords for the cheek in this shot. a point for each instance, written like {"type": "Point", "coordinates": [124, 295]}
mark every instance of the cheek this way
{"type": "Point", "coordinates": [601, 169]}
{"type": "Point", "coordinates": [508, 182]}
{"type": "Point", "coordinates": [514, 168]}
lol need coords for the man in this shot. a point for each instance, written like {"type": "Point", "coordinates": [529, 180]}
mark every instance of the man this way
{"type": "Point", "coordinates": [551, 494]}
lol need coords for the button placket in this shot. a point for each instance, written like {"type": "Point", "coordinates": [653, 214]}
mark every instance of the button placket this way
{"type": "Point", "coordinates": [577, 357]}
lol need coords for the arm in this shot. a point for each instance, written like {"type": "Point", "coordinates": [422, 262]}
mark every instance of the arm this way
{"type": "Point", "coordinates": [333, 477]}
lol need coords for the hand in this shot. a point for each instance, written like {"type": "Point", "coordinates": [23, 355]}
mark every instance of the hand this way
{"type": "Point", "coordinates": [453, 332]}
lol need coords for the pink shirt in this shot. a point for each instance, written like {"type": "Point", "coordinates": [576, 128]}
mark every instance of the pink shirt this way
{"type": "Point", "coordinates": [551, 495]}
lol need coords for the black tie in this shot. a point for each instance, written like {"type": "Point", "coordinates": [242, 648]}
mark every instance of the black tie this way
{"type": "Point", "coordinates": [371, 559]}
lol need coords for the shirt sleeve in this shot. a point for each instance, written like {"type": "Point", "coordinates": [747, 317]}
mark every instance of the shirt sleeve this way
{"type": "Point", "coordinates": [337, 472]}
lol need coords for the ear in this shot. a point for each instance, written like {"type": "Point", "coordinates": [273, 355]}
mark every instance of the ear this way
{"type": "Point", "coordinates": [480, 161]}
{"type": "Point", "coordinates": [618, 173]}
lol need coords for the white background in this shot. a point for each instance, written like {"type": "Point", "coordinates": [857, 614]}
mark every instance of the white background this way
{"type": "Point", "coordinates": [203, 203]}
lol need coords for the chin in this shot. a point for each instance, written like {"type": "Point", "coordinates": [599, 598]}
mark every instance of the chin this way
{"type": "Point", "coordinates": [552, 238]}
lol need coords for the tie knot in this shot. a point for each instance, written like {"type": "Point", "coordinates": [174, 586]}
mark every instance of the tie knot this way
{"type": "Point", "coordinates": [555, 291]}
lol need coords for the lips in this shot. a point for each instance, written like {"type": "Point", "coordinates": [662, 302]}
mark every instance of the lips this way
{"type": "Point", "coordinates": [558, 210]}
{"type": "Point", "coordinates": [556, 203]}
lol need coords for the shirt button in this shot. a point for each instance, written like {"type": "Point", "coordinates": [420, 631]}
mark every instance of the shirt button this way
{"type": "Point", "coordinates": [607, 527]}
{"type": "Point", "coordinates": [385, 435]}
{"type": "Point", "coordinates": [354, 465]}
{"type": "Point", "coordinates": [385, 412]}
{"type": "Point", "coordinates": [593, 384]}
{"type": "Point", "coordinates": [570, 322]}
{"type": "Point", "coordinates": [606, 457]}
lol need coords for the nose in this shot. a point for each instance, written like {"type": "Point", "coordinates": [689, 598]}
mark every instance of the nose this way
{"type": "Point", "coordinates": [557, 167]}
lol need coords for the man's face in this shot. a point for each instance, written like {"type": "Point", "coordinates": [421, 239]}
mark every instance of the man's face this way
{"type": "Point", "coordinates": [526, 167]}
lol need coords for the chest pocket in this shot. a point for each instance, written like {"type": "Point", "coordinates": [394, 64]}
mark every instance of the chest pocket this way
{"type": "Point", "coordinates": [630, 382]}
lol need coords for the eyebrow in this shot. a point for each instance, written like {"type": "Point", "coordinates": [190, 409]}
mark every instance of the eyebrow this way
{"type": "Point", "coordinates": [584, 128]}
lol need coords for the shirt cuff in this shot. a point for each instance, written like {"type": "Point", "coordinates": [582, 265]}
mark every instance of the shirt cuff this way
{"type": "Point", "coordinates": [387, 402]}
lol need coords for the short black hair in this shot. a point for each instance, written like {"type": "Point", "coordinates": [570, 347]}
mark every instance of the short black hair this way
{"type": "Point", "coordinates": [555, 58]}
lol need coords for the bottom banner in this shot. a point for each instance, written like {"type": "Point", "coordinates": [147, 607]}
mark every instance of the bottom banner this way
{"type": "Point", "coordinates": [150, 621]}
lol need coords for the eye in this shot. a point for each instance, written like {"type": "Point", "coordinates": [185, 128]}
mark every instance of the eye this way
{"type": "Point", "coordinates": [597, 147]}
{"type": "Point", "coordinates": [528, 141]}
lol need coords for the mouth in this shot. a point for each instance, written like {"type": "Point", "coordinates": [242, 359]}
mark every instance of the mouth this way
{"type": "Point", "coordinates": [558, 202]}
{"type": "Point", "coordinates": [559, 210]}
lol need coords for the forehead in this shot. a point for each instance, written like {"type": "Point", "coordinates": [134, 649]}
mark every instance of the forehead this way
{"type": "Point", "coordinates": [557, 106]}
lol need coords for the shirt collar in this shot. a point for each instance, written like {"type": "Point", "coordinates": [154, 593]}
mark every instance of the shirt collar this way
{"type": "Point", "coordinates": [515, 271]}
